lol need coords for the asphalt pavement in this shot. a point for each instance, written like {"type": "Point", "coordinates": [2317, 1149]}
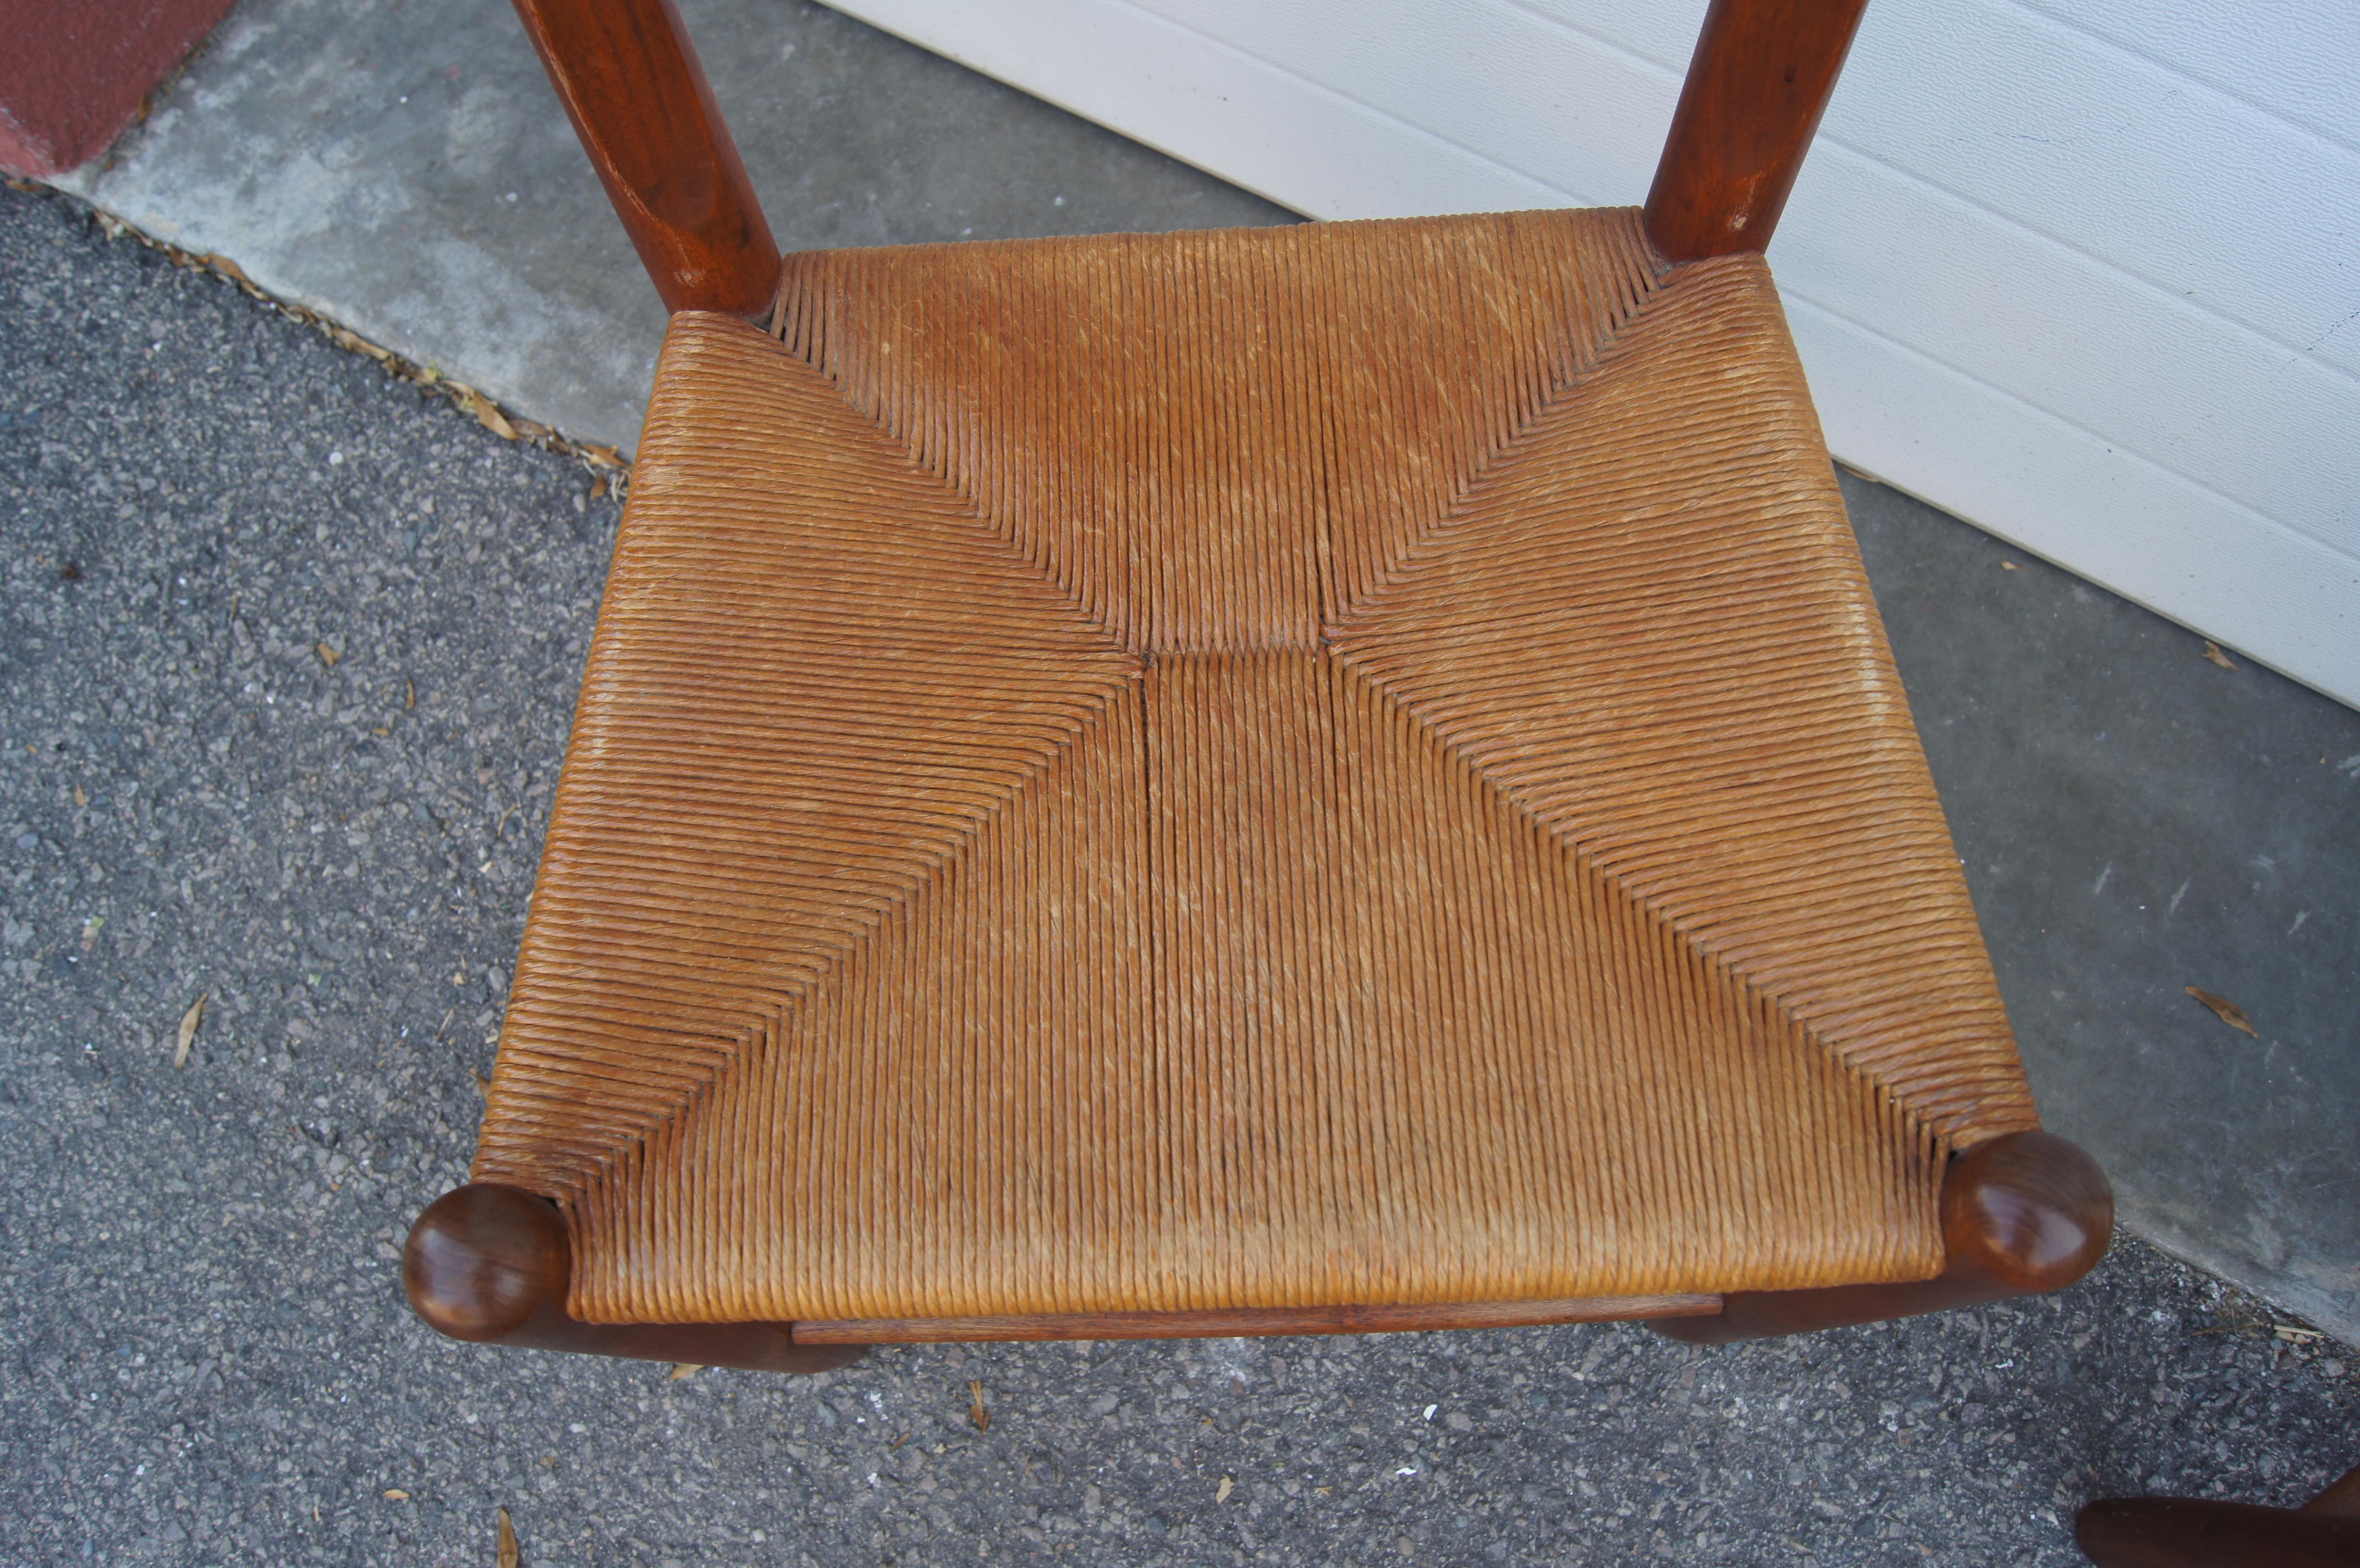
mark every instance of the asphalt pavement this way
{"type": "Point", "coordinates": [287, 651]}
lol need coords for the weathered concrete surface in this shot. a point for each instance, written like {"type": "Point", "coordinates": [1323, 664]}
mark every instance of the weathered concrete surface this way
{"type": "Point", "coordinates": [405, 168]}
{"type": "Point", "coordinates": [2135, 820]}
{"type": "Point", "coordinates": [203, 1354]}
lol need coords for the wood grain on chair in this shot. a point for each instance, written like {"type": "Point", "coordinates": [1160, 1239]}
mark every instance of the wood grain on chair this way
{"type": "Point", "coordinates": [1760, 78]}
{"type": "Point", "coordinates": [630, 82]}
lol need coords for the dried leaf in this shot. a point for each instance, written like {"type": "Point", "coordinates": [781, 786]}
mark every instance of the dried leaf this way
{"type": "Point", "coordinates": [328, 656]}
{"type": "Point", "coordinates": [225, 266]}
{"type": "Point", "coordinates": [344, 337]}
{"type": "Point", "coordinates": [2009, 566]}
{"type": "Point", "coordinates": [975, 1411]}
{"type": "Point", "coordinates": [598, 488]}
{"type": "Point", "coordinates": [603, 456]}
{"type": "Point", "coordinates": [2212, 651]}
{"type": "Point", "coordinates": [685, 1369]}
{"type": "Point", "coordinates": [190, 1022]}
{"type": "Point", "coordinates": [2231, 1014]}
{"type": "Point", "coordinates": [26, 186]}
{"type": "Point", "coordinates": [90, 930]}
{"type": "Point", "coordinates": [394, 1494]}
{"type": "Point", "coordinates": [488, 414]}
{"type": "Point", "coordinates": [509, 1556]}
{"type": "Point", "coordinates": [1221, 1493]}
{"type": "Point", "coordinates": [409, 694]}
{"type": "Point", "coordinates": [80, 799]}
{"type": "Point", "coordinates": [2294, 1336]}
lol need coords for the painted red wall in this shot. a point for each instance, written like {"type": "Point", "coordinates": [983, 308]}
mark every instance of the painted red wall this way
{"type": "Point", "coordinates": [73, 71]}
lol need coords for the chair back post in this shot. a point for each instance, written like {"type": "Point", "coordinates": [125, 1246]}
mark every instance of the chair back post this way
{"type": "Point", "coordinates": [1760, 78]}
{"type": "Point", "coordinates": [631, 84]}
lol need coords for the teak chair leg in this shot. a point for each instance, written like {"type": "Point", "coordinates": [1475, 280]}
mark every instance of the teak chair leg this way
{"type": "Point", "coordinates": [1756, 87]}
{"type": "Point", "coordinates": [2188, 1532]}
{"type": "Point", "coordinates": [491, 1264]}
{"type": "Point", "coordinates": [2024, 1213]}
{"type": "Point", "coordinates": [631, 84]}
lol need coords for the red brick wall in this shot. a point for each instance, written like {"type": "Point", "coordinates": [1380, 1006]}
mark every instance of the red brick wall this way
{"type": "Point", "coordinates": [73, 71]}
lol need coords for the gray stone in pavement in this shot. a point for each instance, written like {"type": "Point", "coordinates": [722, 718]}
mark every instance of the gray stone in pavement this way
{"type": "Point", "coordinates": [405, 169]}
{"type": "Point", "coordinates": [203, 1354]}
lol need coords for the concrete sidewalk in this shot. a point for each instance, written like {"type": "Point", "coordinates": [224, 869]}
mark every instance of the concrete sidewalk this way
{"type": "Point", "coordinates": [2135, 820]}
{"type": "Point", "coordinates": [405, 169]}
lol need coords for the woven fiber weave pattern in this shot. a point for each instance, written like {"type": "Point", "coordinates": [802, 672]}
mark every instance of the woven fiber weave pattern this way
{"type": "Point", "coordinates": [1307, 768]}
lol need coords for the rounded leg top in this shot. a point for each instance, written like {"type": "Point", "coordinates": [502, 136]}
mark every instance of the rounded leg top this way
{"type": "Point", "coordinates": [484, 1260]}
{"type": "Point", "coordinates": [2029, 1209]}
{"type": "Point", "coordinates": [2026, 1213]}
{"type": "Point", "coordinates": [491, 1263]}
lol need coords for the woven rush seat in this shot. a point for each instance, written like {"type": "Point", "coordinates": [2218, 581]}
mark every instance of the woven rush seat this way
{"type": "Point", "coordinates": [1334, 765]}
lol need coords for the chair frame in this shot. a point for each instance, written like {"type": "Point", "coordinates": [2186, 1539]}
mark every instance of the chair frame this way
{"type": "Point", "coordinates": [2022, 1213]}
{"type": "Point", "coordinates": [2194, 1532]}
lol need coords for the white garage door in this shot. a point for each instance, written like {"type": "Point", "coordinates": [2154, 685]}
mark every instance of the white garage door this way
{"type": "Point", "coordinates": [2086, 272]}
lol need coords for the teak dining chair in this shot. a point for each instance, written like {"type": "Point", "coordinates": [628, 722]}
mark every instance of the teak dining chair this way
{"type": "Point", "coordinates": [1306, 779]}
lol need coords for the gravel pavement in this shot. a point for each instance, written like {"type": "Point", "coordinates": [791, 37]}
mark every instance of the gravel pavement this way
{"type": "Point", "coordinates": [287, 655]}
